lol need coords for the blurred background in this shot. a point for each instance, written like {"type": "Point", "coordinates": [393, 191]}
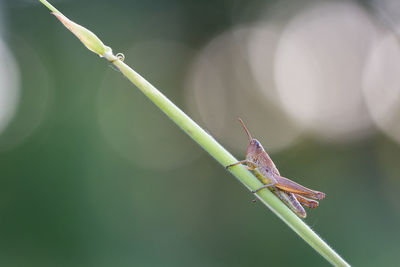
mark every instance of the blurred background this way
{"type": "Point", "coordinates": [93, 174]}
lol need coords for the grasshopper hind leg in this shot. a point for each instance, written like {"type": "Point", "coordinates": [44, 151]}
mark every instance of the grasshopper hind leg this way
{"type": "Point", "coordinates": [291, 202]}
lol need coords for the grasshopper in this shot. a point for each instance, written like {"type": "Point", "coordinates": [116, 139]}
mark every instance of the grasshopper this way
{"type": "Point", "coordinates": [292, 194]}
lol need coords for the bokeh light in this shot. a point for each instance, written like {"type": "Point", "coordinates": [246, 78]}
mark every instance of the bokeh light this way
{"type": "Point", "coordinates": [29, 107]}
{"type": "Point", "coordinates": [318, 71]}
{"type": "Point", "coordinates": [381, 84]}
{"type": "Point", "coordinates": [222, 87]}
{"type": "Point", "coordinates": [9, 86]}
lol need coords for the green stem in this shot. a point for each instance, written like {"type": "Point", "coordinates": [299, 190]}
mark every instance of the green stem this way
{"type": "Point", "coordinates": [225, 158]}
{"type": "Point", "coordinates": [209, 144]}
{"type": "Point", "coordinates": [50, 6]}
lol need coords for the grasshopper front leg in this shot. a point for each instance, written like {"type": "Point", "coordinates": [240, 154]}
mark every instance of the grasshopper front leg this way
{"type": "Point", "coordinates": [251, 166]}
{"type": "Point", "coordinates": [248, 164]}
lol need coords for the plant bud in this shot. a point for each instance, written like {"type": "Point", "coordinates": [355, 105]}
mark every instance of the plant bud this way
{"type": "Point", "coordinates": [89, 39]}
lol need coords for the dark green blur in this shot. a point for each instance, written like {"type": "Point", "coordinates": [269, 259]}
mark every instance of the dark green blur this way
{"type": "Point", "coordinates": [67, 198]}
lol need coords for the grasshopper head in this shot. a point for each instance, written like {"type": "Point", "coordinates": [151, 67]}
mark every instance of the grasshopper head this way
{"type": "Point", "coordinates": [254, 149]}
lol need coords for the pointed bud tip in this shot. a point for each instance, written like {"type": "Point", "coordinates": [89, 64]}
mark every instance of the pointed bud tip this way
{"type": "Point", "coordinates": [89, 39]}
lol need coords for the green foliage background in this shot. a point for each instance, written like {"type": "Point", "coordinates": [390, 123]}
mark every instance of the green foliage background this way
{"type": "Point", "coordinates": [68, 199]}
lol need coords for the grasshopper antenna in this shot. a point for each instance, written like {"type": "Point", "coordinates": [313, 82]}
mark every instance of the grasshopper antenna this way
{"type": "Point", "coordinates": [244, 127]}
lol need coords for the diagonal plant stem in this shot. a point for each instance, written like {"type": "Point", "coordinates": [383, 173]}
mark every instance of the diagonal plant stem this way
{"type": "Point", "coordinates": [206, 141]}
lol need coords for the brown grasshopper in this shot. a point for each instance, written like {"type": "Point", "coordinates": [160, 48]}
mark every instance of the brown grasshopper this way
{"type": "Point", "coordinates": [291, 193]}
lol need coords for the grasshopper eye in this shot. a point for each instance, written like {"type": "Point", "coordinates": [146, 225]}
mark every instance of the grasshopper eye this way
{"type": "Point", "coordinates": [257, 145]}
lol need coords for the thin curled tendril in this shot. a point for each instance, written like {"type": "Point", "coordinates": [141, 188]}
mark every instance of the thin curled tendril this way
{"type": "Point", "coordinates": [120, 56]}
